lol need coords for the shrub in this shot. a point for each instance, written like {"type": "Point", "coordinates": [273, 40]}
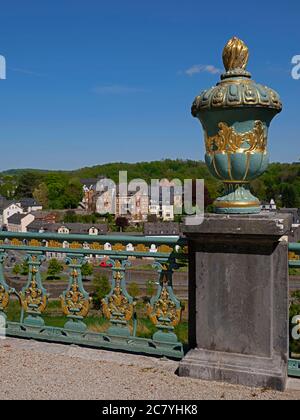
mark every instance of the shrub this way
{"type": "Point", "coordinates": [24, 268]}
{"type": "Point", "coordinates": [101, 286]}
{"type": "Point", "coordinates": [133, 290]}
{"type": "Point", "coordinates": [150, 288]}
{"type": "Point", "coordinates": [16, 270]}
{"type": "Point", "coordinates": [86, 270]}
{"type": "Point", "coordinates": [54, 269]}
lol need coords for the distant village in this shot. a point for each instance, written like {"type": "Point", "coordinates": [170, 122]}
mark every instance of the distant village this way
{"type": "Point", "coordinates": [28, 215]}
{"type": "Point", "coordinates": [138, 208]}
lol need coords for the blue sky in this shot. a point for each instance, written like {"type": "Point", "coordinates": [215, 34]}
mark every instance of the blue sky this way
{"type": "Point", "coordinates": [99, 81]}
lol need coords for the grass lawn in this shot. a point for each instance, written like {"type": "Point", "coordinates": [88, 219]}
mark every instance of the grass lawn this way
{"type": "Point", "coordinates": [149, 267]}
{"type": "Point", "coordinates": [96, 322]}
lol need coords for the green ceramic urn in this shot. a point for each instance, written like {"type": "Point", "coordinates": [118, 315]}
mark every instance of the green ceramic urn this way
{"type": "Point", "coordinates": [236, 115]}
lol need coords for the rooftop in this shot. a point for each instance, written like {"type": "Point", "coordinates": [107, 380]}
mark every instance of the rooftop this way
{"type": "Point", "coordinates": [16, 218]}
{"type": "Point", "coordinates": [74, 228]}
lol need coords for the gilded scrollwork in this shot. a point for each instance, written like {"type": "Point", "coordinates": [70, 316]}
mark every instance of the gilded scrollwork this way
{"type": "Point", "coordinates": [75, 301]}
{"type": "Point", "coordinates": [4, 288]}
{"type": "Point", "coordinates": [165, 249]}
{"type": "Point", "coordinates": [33, 298]}
{"type": "Point", "coordinates": [141, 248]}
{"type": "Point", "coordinates": [96, 245]}
{"type": "Point", "coordinates": [118, 305]}
{"type": "Point", "coordinates": [16, 242]}
{"type": "Point", "coordinates": [164, 310]}
{"type": "Point", "coordinates": [55, 244]}
{"type": "Point", "coordinates": [236, 89]}
{"type": "Point", "coordinates": [119, 247]}
{"type": "Point", "coordinates": [4, 298]}
{"type": "Point", "coordinates": [228, 140]}
{"type": "Point", "coordinates": [34, 243]}
{"type": "Point", "coordinates": [75, 245]}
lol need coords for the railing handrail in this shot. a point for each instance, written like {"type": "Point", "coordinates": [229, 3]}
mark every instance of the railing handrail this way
{"type": "Point", "coordinates": [146, 239]}
{"type": "Point", "coordinates": [294, 246]}
{"type": "Point", "coordinates": [163, 309]}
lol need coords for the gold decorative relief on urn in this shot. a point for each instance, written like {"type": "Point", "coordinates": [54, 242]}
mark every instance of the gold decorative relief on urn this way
{"type": "Point", "coordinates": [228, 140]}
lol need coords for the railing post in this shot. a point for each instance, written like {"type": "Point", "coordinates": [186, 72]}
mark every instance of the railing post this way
{"type": "Point", "coordinates": [5, 290]}
{"type": "Point", "coordinates": [164, 309]}
{"type": "Point", "coordinates": [33, 296]}
{"type": "Point", "coordinates": [238, 304]}
{"type": "Point", "coordinates": [118, 306]}
{"type": "Point", "coordinates": [75, 300]}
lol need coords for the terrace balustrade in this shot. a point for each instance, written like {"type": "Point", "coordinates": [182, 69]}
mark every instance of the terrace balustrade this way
{"type": "Point", "coordinates": [163, 310]}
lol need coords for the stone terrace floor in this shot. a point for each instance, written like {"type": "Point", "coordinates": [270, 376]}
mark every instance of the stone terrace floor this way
{"type": "Point", "coordinates": [35, 370]}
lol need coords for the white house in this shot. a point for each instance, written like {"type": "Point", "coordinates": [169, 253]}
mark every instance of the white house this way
{"type": "Point", "coordinates": [167, 213]}
{"type": "Point", "coordinates": [29, 204]}
{"type": "Point", "coordinates": [9, 210]}
{"type": "Point", "coordinates": [18, 222]}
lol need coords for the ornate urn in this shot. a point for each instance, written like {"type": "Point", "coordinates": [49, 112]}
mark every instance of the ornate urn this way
{"type": "Point", "coordinates": [236, 115]}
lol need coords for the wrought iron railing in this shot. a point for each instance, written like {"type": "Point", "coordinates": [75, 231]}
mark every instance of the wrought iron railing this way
{"type": "Point", "coordinates": [164, 310]}
{"type": "Point", "coordinates": [294, 263]}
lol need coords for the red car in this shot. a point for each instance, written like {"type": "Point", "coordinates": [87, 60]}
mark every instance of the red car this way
{"type": "Point", "coordinates": [105, 264]}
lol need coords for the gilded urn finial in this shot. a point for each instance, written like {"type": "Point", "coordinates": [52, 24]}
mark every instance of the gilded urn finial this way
{"type": "Point", "coordinates": [236, 115]}
{"type": "Point", "coordinates": [235, 54]}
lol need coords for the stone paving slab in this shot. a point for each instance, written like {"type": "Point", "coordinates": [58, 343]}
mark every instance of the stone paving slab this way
{"type": "Point", "coordinates": [36, 370]}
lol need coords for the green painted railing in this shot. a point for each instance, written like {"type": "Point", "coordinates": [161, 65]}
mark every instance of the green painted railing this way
{"type": "Point", "coordinates": [294, 262]}
{"type": "Point", "coordinates": [163, 310]}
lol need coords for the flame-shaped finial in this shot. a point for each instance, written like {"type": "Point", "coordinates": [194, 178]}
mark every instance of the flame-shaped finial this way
{"type": "Point", "coordinates": [235, 54]}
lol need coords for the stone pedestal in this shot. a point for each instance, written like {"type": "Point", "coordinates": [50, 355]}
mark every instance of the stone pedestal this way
{"type": "Point", "coordinates": [238, 300]}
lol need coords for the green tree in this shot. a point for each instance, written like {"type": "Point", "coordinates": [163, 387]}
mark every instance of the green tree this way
{"type": "Point", "coordinates": [54, 269]}
{"type": "Point", "coordinates": [16, 270]}
{"type": "Point", "coordinates": [133, 290]}
{"type": "Point", "coordinates": [73, 194]}
{"type": "Point", "coordinates": [40, 194]}
{"type": "Point", "coordinates": [28, 181]}
{"type": "Point", "coordinates": [150, 288]}
{"type": "Point", "coordinates": [25, 268]}
{"type": "Point", "coordinates": [152, 218]}
{"type": "Point", "coordinates": [87, 270]}
{"type": "Point", "coordinates": [101, 287]}
{"type": "Point", "coordinates": [70, 217]}
{"type": "Point", "coordinates": [8, 186]}
{"type": "Point", "coordinates": [288, 195]}
{"type": "Point", "coordinates": [122, 223]}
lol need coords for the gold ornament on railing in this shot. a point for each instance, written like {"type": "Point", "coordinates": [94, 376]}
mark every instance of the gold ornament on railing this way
{"type": "Point", "coordinates": [34, 243]}
{"type": "Point", "coordinates": [164, 311]}
{"type": "Point", "coordinates": [117, 304]}
{"type": "Point", "coordinates": [4, 298]}
{"type": "Point", "coordinates": [54, 244]}
{"type": "Point", "coordinates": [75, 245]}
{"type": "Point", "coordinates": [165, 249]}
{"type": "Point", "coordinates": [141, 248]}
{"type": "Point", "coordinates": [74, 302]}
{"type": "Point", "coordinates": [33, 299]}
{"type": "Point", "coordinates": [16, 242]}
{"type": "Point", "coordinates": [119, 247]}
{"type": "Point", "coordinates": [96, 245]}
